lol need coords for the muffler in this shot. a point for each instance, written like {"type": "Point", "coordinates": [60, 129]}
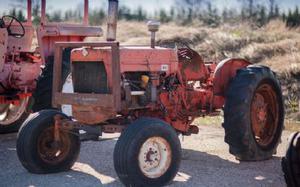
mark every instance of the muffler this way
{"type": "Point", "coordinates": [112, 20]}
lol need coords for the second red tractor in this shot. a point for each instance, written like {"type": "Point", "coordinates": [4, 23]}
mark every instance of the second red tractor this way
{"type": "Point", "coordinates": [21, 62]}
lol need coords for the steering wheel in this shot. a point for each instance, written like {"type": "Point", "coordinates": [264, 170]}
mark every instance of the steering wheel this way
{"type": "Point", "coordinates": [6, 22]}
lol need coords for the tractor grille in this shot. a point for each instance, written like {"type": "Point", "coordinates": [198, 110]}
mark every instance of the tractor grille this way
{"type": "Point", "coordinates": [89, 77]}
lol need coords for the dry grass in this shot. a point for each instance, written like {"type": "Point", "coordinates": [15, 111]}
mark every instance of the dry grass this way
{"type": "Point", "coordinates": [292, 126]}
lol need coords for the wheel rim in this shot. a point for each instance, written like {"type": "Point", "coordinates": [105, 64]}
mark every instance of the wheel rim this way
{"type": "Point", "coordinates": [51, 151]}
{"type": "Point", "coordinates": [10, 113]}
{"type": "Point", "coordinates": [155, 157]}
{"type": "Point", "coordinates": [264, 115]}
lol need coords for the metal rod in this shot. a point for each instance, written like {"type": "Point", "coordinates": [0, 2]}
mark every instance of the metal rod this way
{"type": "Point", "coordinates": [29, 8]}
{"type": "Point", "coordinates": [43, 13]}
{"type": "Point", "coordinates": [86, 12]}
{"type": "Point", "coordinates": [112, 20]}
{"type": "Point", "coordinates": [153, 40]}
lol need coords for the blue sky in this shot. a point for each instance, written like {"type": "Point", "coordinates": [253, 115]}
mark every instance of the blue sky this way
{"type": "Point", "coordinates": [149, 5]}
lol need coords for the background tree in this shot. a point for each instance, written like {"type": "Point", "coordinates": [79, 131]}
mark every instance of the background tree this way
{"type": "Point", "coordinates": [191, 8]}
{"type": "Point", "coordinates": [163, 16]}
{"type": "Point", "coordinates": [140, 14]}
{"type": "Point", "coordinates": [249, 6]}
{"type": "Point", "coordinates": [262, 17]}
{"type": "Point", "coordinates": [272, 8]}
{"type": "Point", "coordinates": [211, 18]}
{"type": "Point", "coordinates": [20, 16]}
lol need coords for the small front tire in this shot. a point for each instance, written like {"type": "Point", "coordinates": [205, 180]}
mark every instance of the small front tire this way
{"type": "Point", "coordinates": [37, 150]}
{"type": "Point", "coordinates": [148, 153]}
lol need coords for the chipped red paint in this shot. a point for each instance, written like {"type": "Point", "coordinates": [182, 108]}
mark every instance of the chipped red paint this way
{"type": "Point", "coordinates": [180, 106]}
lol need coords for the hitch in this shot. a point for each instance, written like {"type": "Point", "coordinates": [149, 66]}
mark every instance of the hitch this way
{"type": "Point", "coordinates": [85, 132]}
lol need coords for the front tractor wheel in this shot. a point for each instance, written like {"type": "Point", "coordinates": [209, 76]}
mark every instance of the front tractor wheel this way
{"type": "Point", "coordinates": [37, 149]}
{"type": "Point", "coordinates": [253, 114]}
{"type": "Point", "coordinates": [148, 153]}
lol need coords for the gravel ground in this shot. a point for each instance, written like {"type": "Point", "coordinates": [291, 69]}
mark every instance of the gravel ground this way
{"type": "Point", "coordinates": [206, 162]}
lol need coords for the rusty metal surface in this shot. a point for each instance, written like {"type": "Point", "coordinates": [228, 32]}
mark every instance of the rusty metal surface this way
{"type": "Point", "coordinates": [29, 8]}
{"type": "Point", "coordinates": [23, 44]}
{"type": "Point", "coordinates": [86, 12]}
{"type": "Point", "coordinates": [101, 100]}
{"type": "Point", "coordinates": [192, 66]}
{"type": "Point", "coordinates": [264, 115]}
{"type": "Point", "coordinates": [50, 151]}
{"type": "Point", "coordinates": [112, 17]}
{"type": "Point", "coordinates": [224, 72]}
{"type": "Point", "coordinates": [3, 47]}
{"type": "Point", "coordinates": [89, 103]}
{"type": "Point", "coordinates": [132, 58]}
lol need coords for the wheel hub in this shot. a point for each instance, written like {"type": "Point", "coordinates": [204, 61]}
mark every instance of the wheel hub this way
{"type": "Point", "coordinates": [10, 113]}
{"type": "Point", "coordinates": [264, 115]}
{"type": "Point", "coordinates": [155, 157]}
{"type": "Point", "coordinates": [261, 109]}
{"type": "Point", "coordinates": [52, 151]}
{"type": "Point", "coordinates": [152, 157]}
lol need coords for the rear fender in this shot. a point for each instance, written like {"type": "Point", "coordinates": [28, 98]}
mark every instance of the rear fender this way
{"type": "Point", "coordinates": [224, 73]}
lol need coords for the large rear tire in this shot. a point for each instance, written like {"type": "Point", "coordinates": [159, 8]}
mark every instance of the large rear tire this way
{"type": "Point", "coordinates": [253, 114]}
{"type": "Point", "coordinates": [291, 162]}
{"type": "Point", "coordinates": [12, 116]}
{"type": "Point", "coordinates": [148, 153]}
{"type": "Point", "coordinates": [37, 150]}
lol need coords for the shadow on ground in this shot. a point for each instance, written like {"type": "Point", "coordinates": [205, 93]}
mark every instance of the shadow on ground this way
{"type": "Point", "coordinates": [95, 168]}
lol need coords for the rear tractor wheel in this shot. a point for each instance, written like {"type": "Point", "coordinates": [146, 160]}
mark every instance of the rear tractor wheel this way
{"type": "Point", "coordinates": [253, 114]}
{"type": "Point", "coordinates": [12, 116]}
{"type": "Point", "coordinates": [148, 153]}
{"type": "Point", "coordinates": [291, 162]}
{"type": "Point", "coordinates": [37, 149]}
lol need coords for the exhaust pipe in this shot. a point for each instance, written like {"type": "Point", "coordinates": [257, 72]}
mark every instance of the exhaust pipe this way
{"type": "Point", "coordinates": [112, 20]}
{"type": "Point", "coordinates": [153, 27]}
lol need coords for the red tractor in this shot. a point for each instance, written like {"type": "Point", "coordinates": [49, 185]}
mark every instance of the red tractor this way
{"type": "Point", "coordinates": [150, 95]}
{"type": "Point", "coordinates": [20, 65]}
